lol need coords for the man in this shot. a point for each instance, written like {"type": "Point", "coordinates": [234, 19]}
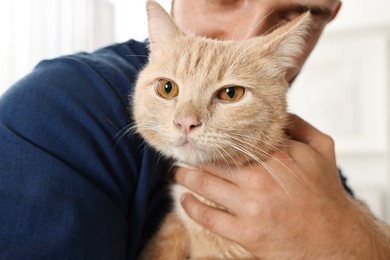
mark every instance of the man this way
{"type": "Point", "coordinates": [316, 219]}
{"type": "Point", "coordinates": [75, 184]}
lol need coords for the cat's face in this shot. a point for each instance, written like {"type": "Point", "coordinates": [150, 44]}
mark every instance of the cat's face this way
{"type": "Point", "coordinates": [200, 100]}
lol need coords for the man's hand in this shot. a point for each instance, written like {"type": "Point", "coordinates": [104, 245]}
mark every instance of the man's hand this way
{"type": "Point", "coordinates": [293, 206]}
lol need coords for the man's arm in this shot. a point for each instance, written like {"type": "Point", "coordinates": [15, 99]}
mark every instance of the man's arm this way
{"type": "Point", "coordinates": [57, 198]}
{"type": "Point", "coordinates": [72, 184]}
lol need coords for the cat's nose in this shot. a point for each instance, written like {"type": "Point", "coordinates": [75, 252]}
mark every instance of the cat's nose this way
{"type": "Point", "coordinates": [187, 124]}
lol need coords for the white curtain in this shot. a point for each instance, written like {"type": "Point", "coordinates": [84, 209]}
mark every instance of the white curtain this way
{"type": "Point", "coordinates": [33, 30]}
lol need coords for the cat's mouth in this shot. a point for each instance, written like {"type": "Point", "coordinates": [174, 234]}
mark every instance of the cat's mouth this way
{"type": "Point", "coordinates": [186, 143]}
{"type": "Point", "coordinates": [188, 151]}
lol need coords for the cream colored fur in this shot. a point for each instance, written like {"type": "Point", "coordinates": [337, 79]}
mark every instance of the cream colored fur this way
{"type": "Point", "coordinates": [231, 133]}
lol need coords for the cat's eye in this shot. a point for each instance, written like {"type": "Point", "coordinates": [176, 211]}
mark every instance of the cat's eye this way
{"type": "Point", "coordinates": [166, 88]}
{"type": "Point", "coordinates": [232, 93]}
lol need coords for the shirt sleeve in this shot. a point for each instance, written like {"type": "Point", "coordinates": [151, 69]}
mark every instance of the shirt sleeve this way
{"type": "Point", "coordinates": [74, 183]}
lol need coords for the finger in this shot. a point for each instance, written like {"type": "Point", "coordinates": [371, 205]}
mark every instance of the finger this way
{"type": "Point", "coordinates": [254, 174]}
{"type": "Point", "coordinates": [302, 131]}
{"type": "Point", "coordinates": [213, 188]}
{"type": "Point", "coordinates": [213, 219]}
{"type": "Point", "coordinates": [230, 174]}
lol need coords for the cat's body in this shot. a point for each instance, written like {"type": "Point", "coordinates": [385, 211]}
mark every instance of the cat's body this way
{"type": "Point", "coordinates": [180, 237]}
{"type": "Point", "coordinates": [207, 101]}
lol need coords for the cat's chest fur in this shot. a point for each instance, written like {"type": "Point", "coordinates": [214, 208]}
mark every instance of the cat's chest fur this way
{"type": "Point", "coordinates": [203, 243]}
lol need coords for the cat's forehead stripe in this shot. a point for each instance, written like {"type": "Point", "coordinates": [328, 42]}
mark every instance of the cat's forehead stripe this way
{"type": "Point", "coordinates": [202, 56]}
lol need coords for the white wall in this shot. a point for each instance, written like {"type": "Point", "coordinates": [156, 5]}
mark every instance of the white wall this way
{"type": "Point", "coordinates": [130, 19]}
{"type": "Point", "coordinates": [33, 30]}
{"type": "Point", "coordinates": [344, 91]}
{"type": "Point", "coordinates": [362, 14]}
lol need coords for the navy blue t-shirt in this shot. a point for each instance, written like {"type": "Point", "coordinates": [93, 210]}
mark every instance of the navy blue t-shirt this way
{"type": "Point", "coordinates": [74, 184]}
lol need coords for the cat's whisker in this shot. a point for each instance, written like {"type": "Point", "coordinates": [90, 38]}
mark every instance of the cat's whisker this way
{"type": "Point", "coordinates": [122, 133]}
{"type": "Point", "coordinates": [238, 149]}
{"type": "Point", "coordinates": [147, 127]}
{"type": "Point", "coordinates": [222, 156]}
{"type": "Point", "coordinates": [253, 27]}
{"type": "Point", "coordinates": [274, 175]}
{"type": "Point", "coordinates": [228, 165]}
{"type": "Point", "coordinates": [256, 159]}
{"type": "Point", "coordinates": [174, 164]}
{"type": "Point", "coordinates": [269, 155]}
{"type": "Point", "coordinates": [272, 28]}
{"type": "Point", "coordinates": [235, 30]}
{"type": "Point", "coordinates": [253, 139]}
{"type": "Point", "coordinates": [251, 145]}
{"type": "Point", "coordinates": [267, 167]}
{"type": "Point", "coordinates": [159, 158]}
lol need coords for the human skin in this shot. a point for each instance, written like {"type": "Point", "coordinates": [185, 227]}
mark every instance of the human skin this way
{"type": "Point", "coordinates": [242, 19]}
{"type": "Point", "coordinates": [311, 216]}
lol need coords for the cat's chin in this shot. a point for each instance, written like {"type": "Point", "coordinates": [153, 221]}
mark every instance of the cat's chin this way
{"type": "Point", "coordinates": [189, 154]}
{"type": "Point", "coordinates": [195, 156]}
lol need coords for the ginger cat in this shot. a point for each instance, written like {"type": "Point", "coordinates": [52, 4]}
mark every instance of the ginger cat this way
{"type": "Point", "coordinates": [202, 100]}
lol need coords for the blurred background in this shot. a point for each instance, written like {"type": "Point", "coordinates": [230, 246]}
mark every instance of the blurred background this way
{"type": "Point", "coordinates": [343, 89]}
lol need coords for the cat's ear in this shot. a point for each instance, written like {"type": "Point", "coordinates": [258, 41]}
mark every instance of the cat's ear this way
{"type": "Point", "coordinates": [288, 41]}
{"type": "Point", "coordinates": [162, 29]}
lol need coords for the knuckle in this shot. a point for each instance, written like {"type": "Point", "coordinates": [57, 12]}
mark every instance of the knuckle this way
{"type": "Point", "coordinates": [282, 154]}
{"type": "Point", "coordinates": [202, 183]}
{"type": "Point", "coordinates": [328, 139]}
{"type": "Point", "coordinates": [252, 235]}
{"type": "Point", "coordinates": [257, 182]}
{"type": "Point", "coordinates": [254, 208]}
{"type": "Point", "coordinates": [260, 179]}
{"type": "Point", "coordinates": [328, 142]}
